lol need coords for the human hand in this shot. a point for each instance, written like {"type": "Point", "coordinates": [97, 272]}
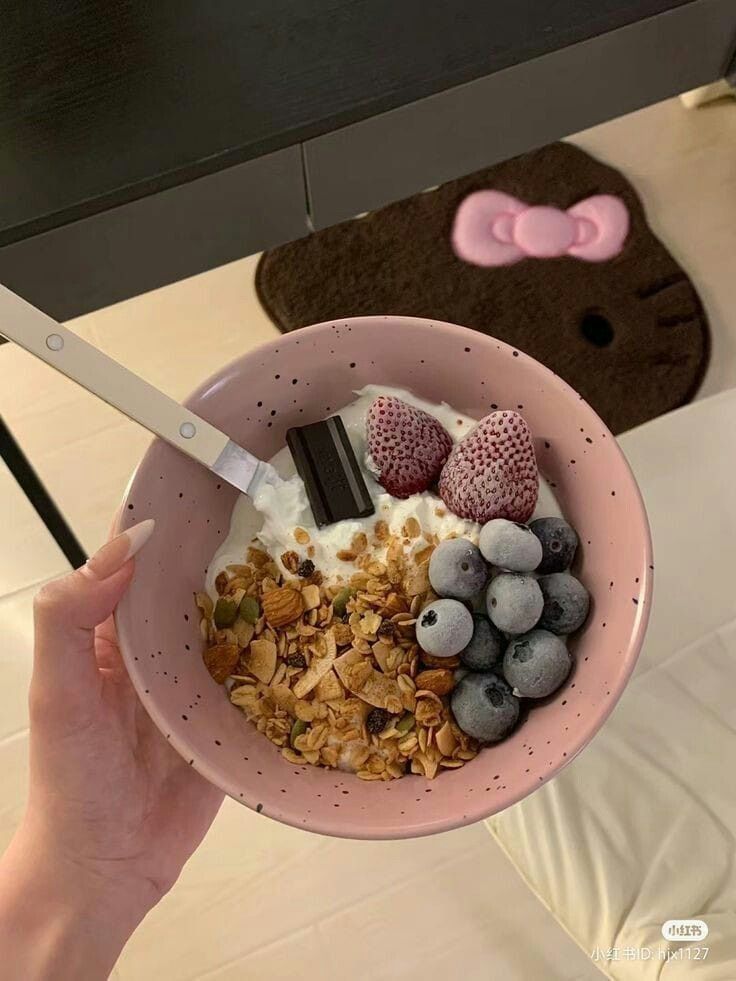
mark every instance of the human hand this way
{"type": "Point", "coordinates": [113, 811]}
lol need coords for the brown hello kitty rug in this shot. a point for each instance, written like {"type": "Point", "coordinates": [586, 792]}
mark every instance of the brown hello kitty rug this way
{"type": "Point", "coordinates": [554, 256]}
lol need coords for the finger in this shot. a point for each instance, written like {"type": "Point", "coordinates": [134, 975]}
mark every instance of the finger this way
{"type": "Point", "coordinates": [106, 645]}
{"type": "Point", "coordinates": [68, 610]}
{"type": "Point", "coordinates": [114, 523]}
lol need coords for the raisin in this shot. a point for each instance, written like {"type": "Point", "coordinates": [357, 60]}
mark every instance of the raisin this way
{"type": "Point", "coordinates": [296, 660]}
{"type": "Point", "coordinates": [376, 721]}
{"type": "Point", "coordinates": [305, 569]}
{"type": "Point", "coordinates": [386, 629]}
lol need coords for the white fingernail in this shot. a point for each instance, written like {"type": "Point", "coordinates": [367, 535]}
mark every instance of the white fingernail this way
{"type": "Point", "coordinates": [116, 553]}
{"type": "Point", "coordinates": [138, 535]}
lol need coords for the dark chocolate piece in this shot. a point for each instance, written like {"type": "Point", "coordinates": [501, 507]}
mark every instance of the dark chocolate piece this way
{"type": "Point", "coordinates": [326, 463]}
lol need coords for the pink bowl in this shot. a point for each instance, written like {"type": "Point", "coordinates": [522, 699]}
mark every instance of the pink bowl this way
{"type": "Point", "coordinates": [300, 378]}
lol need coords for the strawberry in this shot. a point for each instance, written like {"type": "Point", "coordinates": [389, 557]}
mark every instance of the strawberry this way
{"type": "Point", "coordinates": [407, 445]}
{"type": "Point", "coordinates": [492, 472]}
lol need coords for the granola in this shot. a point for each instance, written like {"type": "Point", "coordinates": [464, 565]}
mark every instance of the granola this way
{"type": "Point", "coordinates": [332, 673]}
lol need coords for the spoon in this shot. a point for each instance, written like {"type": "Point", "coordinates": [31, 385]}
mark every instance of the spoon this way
{"type": "Point", "coordinates": [333, 480]}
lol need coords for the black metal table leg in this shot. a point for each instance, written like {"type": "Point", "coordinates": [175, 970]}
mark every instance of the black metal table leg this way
{"type": "Point", "coordinates": [45, 506]}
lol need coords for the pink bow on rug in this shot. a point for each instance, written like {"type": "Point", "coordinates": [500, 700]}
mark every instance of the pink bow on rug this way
{"type": "Point", "coordinates": [495, 229]}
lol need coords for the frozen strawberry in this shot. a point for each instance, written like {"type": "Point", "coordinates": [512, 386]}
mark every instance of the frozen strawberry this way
{"type": "Point", "coordinates": [492, 472]}
{"type": "Point", "coordinates": [408, 446]}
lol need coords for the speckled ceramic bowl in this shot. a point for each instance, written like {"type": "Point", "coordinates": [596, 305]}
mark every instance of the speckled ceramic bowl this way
{"type": "Point", "coordinates": [300, 378]}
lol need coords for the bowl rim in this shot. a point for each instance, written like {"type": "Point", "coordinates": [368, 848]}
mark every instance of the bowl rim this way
{"type": "Point", "coordinates": [472, 812]}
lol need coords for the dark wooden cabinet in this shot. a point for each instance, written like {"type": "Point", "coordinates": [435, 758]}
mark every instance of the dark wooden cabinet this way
{"type": "Point", "coordinates": [146, 141]}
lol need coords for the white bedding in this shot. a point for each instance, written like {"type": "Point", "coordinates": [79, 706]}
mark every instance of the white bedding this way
{"type": "Point", "coordinates": [641, 827]}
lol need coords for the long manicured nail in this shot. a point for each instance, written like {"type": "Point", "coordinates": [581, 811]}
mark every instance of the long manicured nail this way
{"type": "Point", "coordinates": [116, 553]}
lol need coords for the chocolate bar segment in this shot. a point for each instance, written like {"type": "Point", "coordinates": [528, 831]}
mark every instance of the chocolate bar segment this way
{"type": "Point", "coordinates": [326, 463]}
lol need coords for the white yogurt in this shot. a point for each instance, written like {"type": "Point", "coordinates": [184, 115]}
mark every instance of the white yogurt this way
{"type": "Point", "coordinates": [278, 510]}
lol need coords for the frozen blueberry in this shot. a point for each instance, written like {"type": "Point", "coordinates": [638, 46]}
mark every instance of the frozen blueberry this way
{"type": "Point", "coordinates": [559, 544]}
{"type": "Point", "coordinates": [460, 673]}
{"type": "Point", "coordinates": [486, 645]}
{"type": "Point", "coordinates": [457, 569]}
{"type": "Point", "coordinates": [484, 707]}
{"type": "Point", "coordinates": [514, 602]}
{"type": "Point", "coordinates": [536, 664]}
{"type": "Point", "coordinates": [510, 545]}
{"type": "Point", "coordinates": [566, 603]}
{"type": "Point", "coordinates": [444, 628]}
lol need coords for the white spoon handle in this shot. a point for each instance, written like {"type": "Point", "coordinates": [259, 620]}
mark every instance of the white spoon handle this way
{"type": "Point", "coordinates": [59, 347]}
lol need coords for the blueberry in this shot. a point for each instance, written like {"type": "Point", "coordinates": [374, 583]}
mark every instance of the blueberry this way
{"type": "Point", "coordinates": [514, 602]}
{"type": "Point", "coordinates": [536, 664]}
{"type": "Point", "coordinates": [486, 645]}
{"type": "Point", "coordinates": [559, 544]}
{"type": "Point", "coordinates": [566, 603]}
{"type": "Point", "coordinates": [510, 545]}
{"type": "Point", "coordinates": [444, 628]}
{"type": "Point", "coordinates": [484, 707]}
{"type": "Point", "coordinates": [457, 569]}
{"type": "Point", "coordinates": [460, 673]}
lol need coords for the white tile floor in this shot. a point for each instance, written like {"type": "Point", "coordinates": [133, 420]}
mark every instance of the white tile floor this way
{"type": "Point", "coordinates": [258, 899]}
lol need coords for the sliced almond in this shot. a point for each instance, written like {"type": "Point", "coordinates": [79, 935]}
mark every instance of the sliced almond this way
{"type": "Point", "coordinates": [445, 740]}
{"type": "Point", "coordinates": [330, 645]}
{"type": "Point", "coordinates": [381, 653]}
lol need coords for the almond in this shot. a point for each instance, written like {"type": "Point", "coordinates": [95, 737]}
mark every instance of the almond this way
{"type": "Point", "coordinates": [430, 661]}
{"type": "Point", "coordinates": [281, 606]}
{"type": "Point", "coordinates": [220, 661]}
{"type": "Point", "coordinates": [440, 681]}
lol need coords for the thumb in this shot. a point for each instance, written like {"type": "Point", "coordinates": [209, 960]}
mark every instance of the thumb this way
{"type": "Point", "coordinates": [67, 611]}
